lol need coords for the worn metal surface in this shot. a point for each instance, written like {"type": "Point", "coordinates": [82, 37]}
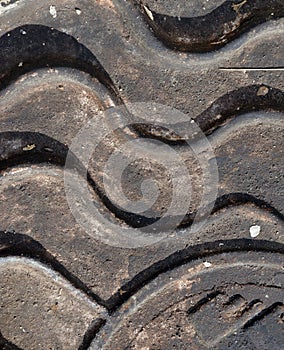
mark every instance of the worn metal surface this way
{"type": "Point", "coordinates": [67, 64]}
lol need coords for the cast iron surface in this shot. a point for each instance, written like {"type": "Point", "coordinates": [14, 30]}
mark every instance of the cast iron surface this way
{"type": "Point", "coordinates": [66, 63]}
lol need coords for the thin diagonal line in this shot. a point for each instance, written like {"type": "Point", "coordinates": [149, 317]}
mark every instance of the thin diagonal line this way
{"type": "Point", "coordinates": [254, 69]}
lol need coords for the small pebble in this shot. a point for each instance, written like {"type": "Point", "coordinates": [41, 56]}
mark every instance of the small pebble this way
{"type": "Point", "coordinates": [149, 13]}
{"type": "Point", "coordinates": [254, 231]}
{"type": "Point", "coordinates": [52, 11]}
{"type": "Point", "coordinates": [29, 147]}
{"type": "Point", "coordinates": [207, 264]}
{"type": "Point", "coordinates": [262, 91]}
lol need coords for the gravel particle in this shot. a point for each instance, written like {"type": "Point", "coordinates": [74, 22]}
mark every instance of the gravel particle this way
{"type": "Point", "coordinates": [52, 11]}
{"type": "Point", "coordinates": [254, 231]}
{"type": "Point", "coordinates": [207, 264]}
{"type": "Point", "coordinates": [262, 91]}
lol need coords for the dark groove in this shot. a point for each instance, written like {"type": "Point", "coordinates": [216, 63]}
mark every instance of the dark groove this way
{"type": "Point", "coordinates": [22, 245]}
{"type": "Point", "coordinates": [213, 30]}
{"type": "Point", "coordinates": [91, 332]}
{"type": "Point", "coordinates": [235, 103]}
{"type": "Point", "coordinates": [7, 345]}
{"type": "Point", "coordinates": [250, 305]}
{"type": "Point", "coordinates": [234, 199]}
{"type": "Point", "coordinates": [254, 302]}
{"type": "Point", "coordinates": [262, 314]}
{"type": "Point", "coordinates": [193, 309]}
{"type": "Point", "coordinates": [184, 256]}
{"type": "Point", "coordinates": [33, 46]}
{"type": "Point", "coordinates": [4, 4]}
{"type": "Point", "coordinates": [34, 148]}
{"type": "Point", "coordinates": [31, 148]}
{"type": "Point", "coordinates": [233, 299]}
{"type": "Point", "coordinates": [243, 100]}
{"type": "Point", "coordinates": [16, 244]}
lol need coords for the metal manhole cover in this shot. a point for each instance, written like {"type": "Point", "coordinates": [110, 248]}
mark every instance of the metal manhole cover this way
{"type": "Point", "coordinates": [141, 174]}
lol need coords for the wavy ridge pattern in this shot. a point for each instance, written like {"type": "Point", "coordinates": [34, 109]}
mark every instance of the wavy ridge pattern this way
{"type": "Point", "coordinates": [15, 244]}
{"type": "Point", "coordinates": [34, 148]}
{"type": "Point", "coordinates": [225, 108]}
{"type": "Point", "coordinates": [214, 30]}
{"type": "Point", "coordinates": [35, 46]}
{"type": "Point", "coordinates": [22, 245]}
{"type": "Point", "coordinates": [182, 256]}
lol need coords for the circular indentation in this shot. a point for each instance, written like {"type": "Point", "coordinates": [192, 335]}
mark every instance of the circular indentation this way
{"type": "Point", "coordinates": [147, 225]}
